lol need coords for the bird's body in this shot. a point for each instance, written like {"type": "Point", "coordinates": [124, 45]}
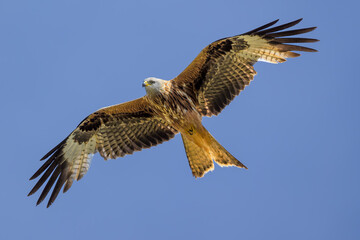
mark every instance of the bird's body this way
{"type": "Point", "coordinates": [215, 77]}
{"type": "Point", "coordinates": [177, 105]}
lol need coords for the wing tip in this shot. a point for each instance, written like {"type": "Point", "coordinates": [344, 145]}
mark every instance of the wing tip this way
{"type": "Point", "coordinates": [30, 193]}
{"type": "Point", "coordinates": [266, 31]}
{"type": "Point", "coordinates": [49, 204]}
{"type": "Point", "coordinates": [297, 21]}
{"type": "Point", "coordinates": [39, 201]}
{"type": "Point", "coordinates": [278, 36]}
{"type": "Point", "coordinates": [32, 177]}
{"type": "Point", "coordinates": [261, 27]}
{"type": "Point", "coordinates": [54, 149]}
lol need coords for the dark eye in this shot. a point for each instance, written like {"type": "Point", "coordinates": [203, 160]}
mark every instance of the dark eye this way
{"type": "Point", "coordinates": [151, 81]}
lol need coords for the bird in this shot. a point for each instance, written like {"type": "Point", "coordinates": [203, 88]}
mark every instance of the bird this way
{"type": "Point", "coordinates": [203, 89]}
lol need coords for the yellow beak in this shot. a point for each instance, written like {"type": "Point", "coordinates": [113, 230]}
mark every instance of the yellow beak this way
{"type": "Point", "coordinates": [145, 83]}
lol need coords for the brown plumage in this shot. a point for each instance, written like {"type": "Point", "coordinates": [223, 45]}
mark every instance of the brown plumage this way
{"type": "Point", "coordinates": [204, 88]}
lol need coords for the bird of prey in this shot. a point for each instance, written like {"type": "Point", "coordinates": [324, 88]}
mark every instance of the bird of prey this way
{"type": "Point", "coordinates": [211, 81]}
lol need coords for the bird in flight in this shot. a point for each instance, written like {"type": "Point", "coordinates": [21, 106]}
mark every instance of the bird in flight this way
{"type": "Point", "coordinates": [211, 81]}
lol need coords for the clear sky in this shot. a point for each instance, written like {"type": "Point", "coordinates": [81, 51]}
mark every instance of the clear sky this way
{"type": "Point", "coordinates": [296, 127]}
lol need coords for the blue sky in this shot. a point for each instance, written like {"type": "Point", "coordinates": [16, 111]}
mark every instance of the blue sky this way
{"type": "Point", "coordinates": [296, 127]}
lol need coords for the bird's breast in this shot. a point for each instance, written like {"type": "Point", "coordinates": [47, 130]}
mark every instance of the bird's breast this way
{"type": "Point", "coordinates": [176, 107]}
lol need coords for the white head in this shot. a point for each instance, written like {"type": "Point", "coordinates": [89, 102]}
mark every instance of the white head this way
{"type": "Point", "coordinates": [153, 85]}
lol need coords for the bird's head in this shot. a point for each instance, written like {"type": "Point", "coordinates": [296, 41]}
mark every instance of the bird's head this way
{"type": "Point", "coordinates": [153, 85]}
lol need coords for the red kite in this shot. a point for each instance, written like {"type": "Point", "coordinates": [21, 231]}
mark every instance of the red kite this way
{"type": "Point", "coordinates": [218, 74]}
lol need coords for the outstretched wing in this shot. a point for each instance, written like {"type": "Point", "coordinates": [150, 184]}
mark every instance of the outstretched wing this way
{"type": "Point", "coordinates": [113, 132]}
{"type": "Point", "coordinates": [225, 67]}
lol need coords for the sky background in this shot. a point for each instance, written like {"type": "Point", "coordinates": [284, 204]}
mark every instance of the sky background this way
{"type": "Point", "coordinates": [296, 127]}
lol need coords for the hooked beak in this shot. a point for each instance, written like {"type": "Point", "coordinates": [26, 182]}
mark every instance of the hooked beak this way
{"type": "Point", "coordinates": [145, 83]}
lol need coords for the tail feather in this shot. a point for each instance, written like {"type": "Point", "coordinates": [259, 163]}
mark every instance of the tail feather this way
{"type": "Point", "coordinates": [201, 157]}
{"type": "Point", "coordinates": [222, 157]}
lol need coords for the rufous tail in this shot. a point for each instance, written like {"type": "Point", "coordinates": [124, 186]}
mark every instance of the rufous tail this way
{"type": "Point", "coordinates": [202, 153]}
{"type": "Point", "coordinates": [221, 156]}
{"type": "Point", "coordinates": [199, 159]}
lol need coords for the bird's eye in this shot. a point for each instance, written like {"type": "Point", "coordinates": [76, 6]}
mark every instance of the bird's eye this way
{"type": "Point", "coordinates": [151, 81]}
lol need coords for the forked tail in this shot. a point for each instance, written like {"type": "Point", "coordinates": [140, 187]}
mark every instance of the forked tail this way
{"type": "Point", "coordinates": [221, 156]}
{"type": "Point", "coordinates": [202, 149]}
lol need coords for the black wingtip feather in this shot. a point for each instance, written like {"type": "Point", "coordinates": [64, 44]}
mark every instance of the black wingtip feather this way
{"type": "Point", "coordinates": [43, 178]}
{"type": "Point", "coordinates": [291, 32]}
{"type": "Point", "coordinates": [60, 182]}
{"type": "Point", "coordinates": [43, 167]}
{"type": "Point", "coordinates": [273, 33]}
{"type": "Point", "coordinates": [53, 150]}
{"type": "Point", "coordinates": [279, 28]}
{"type": "Point", "coordinates": [261, 27]}
{"type": "Point", "coordinates": [276, 36]}
{"type": "Point", "coordinates": [294, 40]}
{"type": "Point", "coordinates": [49, 184]}
{"type": "Point", "coordinates": [50, 171]}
